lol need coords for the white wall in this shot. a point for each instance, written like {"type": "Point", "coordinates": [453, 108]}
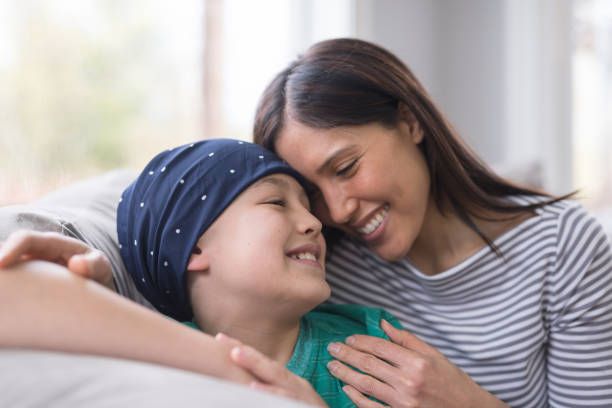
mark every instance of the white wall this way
{"type": "Point", "coordinates": [498, 69]}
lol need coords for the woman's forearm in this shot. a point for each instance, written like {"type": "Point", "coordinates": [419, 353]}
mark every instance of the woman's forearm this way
{"type": "Point", "coordinates": [44, 306]}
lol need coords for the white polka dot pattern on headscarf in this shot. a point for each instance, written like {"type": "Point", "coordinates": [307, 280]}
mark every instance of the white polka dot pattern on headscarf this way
{"type": "Point", "coordinates": [176, 198]}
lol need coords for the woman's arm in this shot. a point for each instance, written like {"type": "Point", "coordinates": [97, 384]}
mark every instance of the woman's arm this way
{"type": "Point", "coordinates": [75, 255]}
{"type": "Point", "coordinates": [578, 314]}
{"type": "Point", "coordinates": [45, 306]}
{"type": "Point", "coordinates": [403, 372]}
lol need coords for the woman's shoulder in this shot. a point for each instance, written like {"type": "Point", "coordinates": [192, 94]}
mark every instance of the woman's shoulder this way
{"type": "Point", "coordinates": [577, 233]}
{"type": "Point", "coordinates": [560, 211]}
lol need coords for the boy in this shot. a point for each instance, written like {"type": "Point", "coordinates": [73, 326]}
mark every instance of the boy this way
{"type": "Point", "coordinates": [220, 232]}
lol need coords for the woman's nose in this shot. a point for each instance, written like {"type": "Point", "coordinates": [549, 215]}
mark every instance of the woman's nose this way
{"type": "Point", "coordinates": [341, 207]}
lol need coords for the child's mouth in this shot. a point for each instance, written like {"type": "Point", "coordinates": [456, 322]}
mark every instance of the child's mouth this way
{"type": "Point", "coordinates": [308, 254]}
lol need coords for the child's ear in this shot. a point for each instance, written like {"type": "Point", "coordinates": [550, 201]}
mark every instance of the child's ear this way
{"type": "Point", "coordinates": [198, 261]}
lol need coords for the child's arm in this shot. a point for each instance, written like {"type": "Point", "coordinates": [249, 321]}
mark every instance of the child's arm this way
{"type": "Point", "coordinates": [45, 306]}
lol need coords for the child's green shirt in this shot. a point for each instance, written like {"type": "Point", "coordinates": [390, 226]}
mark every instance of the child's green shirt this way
{"type": "Point", "coordinates": [326, 324]}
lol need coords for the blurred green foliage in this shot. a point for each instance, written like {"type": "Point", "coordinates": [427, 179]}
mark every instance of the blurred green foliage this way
{"type": "Point", "coordinates": [89, 88]}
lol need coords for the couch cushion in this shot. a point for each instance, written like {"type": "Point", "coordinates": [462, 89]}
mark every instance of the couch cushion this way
{"type": "Point", "coordinates": [85, 210]}
{"type": "Point", "coordinates": [57, 380]}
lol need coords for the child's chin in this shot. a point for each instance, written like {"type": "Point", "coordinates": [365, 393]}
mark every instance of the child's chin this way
{"type": "Point", "coordinates": [321, 296]}
{"type": "Point", "coordinates": [313, 298]}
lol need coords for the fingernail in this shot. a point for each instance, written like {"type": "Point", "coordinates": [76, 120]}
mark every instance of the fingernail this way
{"type": "Point", "coordinates": [220, 336]}
{"type": "Point", "coordinates": [236, 353]}
{"type": "Point", "coordinates": [383, 321]}
{"type": "Point", "coordinates": [349, 340]}
{"type": "Point", "coordinates": [333, 348]}
{"type": "Point", "coordinates": [332, 366]}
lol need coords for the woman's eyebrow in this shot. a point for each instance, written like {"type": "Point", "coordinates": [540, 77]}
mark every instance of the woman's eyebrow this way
{"type": "Point", "coordinates": [331, 158]}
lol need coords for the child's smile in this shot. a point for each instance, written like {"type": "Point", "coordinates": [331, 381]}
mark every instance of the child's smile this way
{"type": "Point", "coordinates": [308, 254]}
{"type": "Point", "coordinates": [280, 265]}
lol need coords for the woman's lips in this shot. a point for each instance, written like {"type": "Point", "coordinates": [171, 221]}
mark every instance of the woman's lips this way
{"type": "Point", "coordinates": [375, 226]}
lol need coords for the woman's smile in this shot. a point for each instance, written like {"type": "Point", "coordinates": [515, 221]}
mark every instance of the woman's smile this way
{"type": "Point", "coordinates": [380, 196]}
{"type": "Point", "coordinates": [374, 225]}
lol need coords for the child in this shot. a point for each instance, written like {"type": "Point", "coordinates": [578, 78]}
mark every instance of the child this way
{"type": "Point", "coordinates": [220, 232]}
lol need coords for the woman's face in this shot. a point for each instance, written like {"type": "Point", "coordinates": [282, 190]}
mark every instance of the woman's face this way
{"type": "Point", "coordinates": [371, 181]}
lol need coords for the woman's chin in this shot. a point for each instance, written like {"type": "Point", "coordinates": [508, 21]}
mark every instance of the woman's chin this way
{"type": "Point", "coordinates": [390, 253]}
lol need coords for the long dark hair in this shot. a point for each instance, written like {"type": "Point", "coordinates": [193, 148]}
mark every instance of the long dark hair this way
{"type": "Point", "coordinates": [348, 82]}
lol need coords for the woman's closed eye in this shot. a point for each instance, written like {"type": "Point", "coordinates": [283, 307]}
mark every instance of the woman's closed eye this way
{"type": "Point", "coordinates": [344, 171]}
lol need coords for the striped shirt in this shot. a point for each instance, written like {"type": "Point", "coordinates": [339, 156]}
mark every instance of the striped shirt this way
{"type": "Point", "coordinates": [534, 328]}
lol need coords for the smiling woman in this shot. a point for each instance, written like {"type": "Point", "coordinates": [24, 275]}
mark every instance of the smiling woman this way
{"type": "Point", "coordinates": [359, 154]}
{"type": "Point", "coordinates": [500, 287]}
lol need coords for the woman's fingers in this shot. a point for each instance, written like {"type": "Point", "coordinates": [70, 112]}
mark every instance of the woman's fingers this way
{"type": "Point", "coordinates": [406, 339]}
{"type": "Point", "coordinates": [360, 400]}
{"type": "Point", "coordinates": [266, 370]}
{"type": "Point", "coordinates": [230, 341]}
{"type": "Point", "coordinates": [274, 377]}
{"type": "Point", "coordinates": [51, 246]}
{"type": "Point", "coordinates": [370, 360]}
{"type": "Point", "coordinates": [92, 265]}
{"type": "Point", "coordinates": [46, 246]}
{"type": "Point", "coordinates": [364, 383]}
{"type": "Point", "coordinates": [422, 376]}
{"type": "Point", "coordinates": [384, 349]}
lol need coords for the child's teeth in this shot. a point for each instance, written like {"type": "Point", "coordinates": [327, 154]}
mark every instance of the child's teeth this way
{"type": "Point", "coordinates": [306, 255]}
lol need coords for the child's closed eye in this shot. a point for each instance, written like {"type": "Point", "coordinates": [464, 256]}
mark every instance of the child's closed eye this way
{"type": "Point", "coordinates": [279, 202]}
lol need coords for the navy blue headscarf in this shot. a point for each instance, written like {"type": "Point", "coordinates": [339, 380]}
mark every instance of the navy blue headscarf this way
{"type": "Point", "coordinates": [180, 193]}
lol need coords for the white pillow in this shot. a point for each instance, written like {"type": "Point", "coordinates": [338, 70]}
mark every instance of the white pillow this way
{"type": "Point", "coordinates": [86, 210]}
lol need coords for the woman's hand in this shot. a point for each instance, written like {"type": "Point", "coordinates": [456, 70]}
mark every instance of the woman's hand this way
{"type": "Point", "coordinates": [271, 376]}
{"type": "Point", "coordinates": [75, 255]}
{"type": "Point", "coordinates": [403, 372]}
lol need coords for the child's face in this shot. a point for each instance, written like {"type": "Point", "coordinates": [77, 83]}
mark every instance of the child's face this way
{"type": "Point", "coordinates": [265, 250]}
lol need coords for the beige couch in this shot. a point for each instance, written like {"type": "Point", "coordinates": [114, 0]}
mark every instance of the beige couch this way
{"type": "Point", "coordinates": [87, 211]}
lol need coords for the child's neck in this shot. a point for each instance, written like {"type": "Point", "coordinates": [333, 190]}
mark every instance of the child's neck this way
{"type": "Point", "coordinates": [273, 338]}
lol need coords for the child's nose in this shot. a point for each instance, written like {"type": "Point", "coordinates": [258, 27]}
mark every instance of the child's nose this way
{"type": "Point", "coordinates": [309, 224]}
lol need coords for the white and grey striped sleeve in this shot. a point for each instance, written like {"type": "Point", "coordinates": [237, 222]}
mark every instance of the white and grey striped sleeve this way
{"type": "Point", "coordinates": [579, 314]}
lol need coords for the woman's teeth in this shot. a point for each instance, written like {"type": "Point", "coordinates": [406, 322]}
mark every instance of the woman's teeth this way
{"type": "Point", "coordinates": [374, 222]}
{"type": "Point", "coordinates": [305, 255]}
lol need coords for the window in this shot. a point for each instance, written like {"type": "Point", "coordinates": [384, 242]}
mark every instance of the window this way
{"type": "Point", "coordinates": [254, 40]}
{"type": "Point", "coordinates": [89, 86]}
{"type": "Point", "coordinates": [592, 94]}
{"type": "Point", "coordinates": [93, 85]}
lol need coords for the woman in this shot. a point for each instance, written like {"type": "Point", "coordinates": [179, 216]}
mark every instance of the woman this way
{"type": "Point", "coordinates": [508, 290]}
{"type": "Point", "coordinates": [502, 289]}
